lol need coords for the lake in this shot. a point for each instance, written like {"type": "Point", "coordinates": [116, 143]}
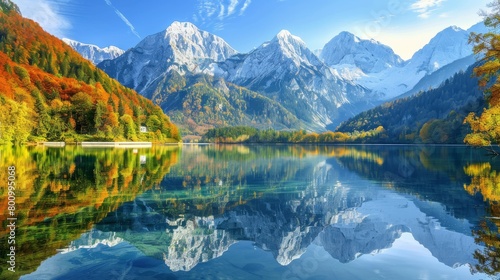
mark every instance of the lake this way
{"type": "Point", "coordinates": [250, 212]}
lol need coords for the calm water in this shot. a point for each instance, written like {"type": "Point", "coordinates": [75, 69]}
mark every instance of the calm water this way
{"type": "Point", "coordinates": [252, 212]}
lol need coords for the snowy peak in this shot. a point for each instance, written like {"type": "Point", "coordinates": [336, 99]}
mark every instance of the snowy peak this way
{"type": "Point", "coordinates": [375, 66]}
{"type": "Point", "coordinates": [446, 47]}
{"type": "Point", "coordinates": [478, 28]}
{"type": "Point", "coordinates": [347, 37]}
{"type": "Point", "coordinates": [290, 47]}
{"type": "Point", "coordinates": [285, 37]}
{"type": "Point", "coordinates": [284, 55]}
{"type": "Point", "coordinates": [448, 34]}
{"type": "Point", "coordinates": [94, 53]}
{"type": "Point", "coordinates": [182, 48]}
{"type": "Point", "coordinates": [287, 71]}
{"type": "Point", "coordinates": [181, 44]}
{"type": "Point", "coordinates": [189, 42]}
{"type": "Point", "coordinates": [182, 28]}
{"type": "Point", "coordinates": [368, 55]}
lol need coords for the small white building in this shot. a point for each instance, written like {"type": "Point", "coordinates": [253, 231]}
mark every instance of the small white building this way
{"type": "Point", "coordinates": [144, 129]}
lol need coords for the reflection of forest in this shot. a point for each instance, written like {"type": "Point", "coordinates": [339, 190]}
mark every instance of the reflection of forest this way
{"type": "Point", "coordinates": [284, 198]}
{"type": "Point", "coordinates": [486, 181]}
{"type": "Point", "coordinates": [61, 193]}
{"type": "Point", "coordinates": [280, 197]}
{"type": "Point", "coordinates": [431, 173]}
{"type": "Point", "coordinates": [450, 169]}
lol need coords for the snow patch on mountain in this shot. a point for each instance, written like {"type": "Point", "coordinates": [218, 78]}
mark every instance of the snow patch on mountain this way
{"type": "Point", "coordinates": [368, 55]}
{"type": "Point", "coordinates": [94, 53]}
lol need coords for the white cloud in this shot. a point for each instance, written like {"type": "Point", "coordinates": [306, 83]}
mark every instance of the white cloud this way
{"type": "Point", "coordinates": [232, 6]}
{"type": "Point", "coordinates": [222, 12]}
{"type": "Point", "coordinates": [47, 14]}
{"type": "Point", "coordinates": [245, 6]}
{"type": "Point", "coordinates": [424, 8]}
{"type": "Point", "coordinates": [213, 12]}
{"type": "Point", "coordinates": [123, 18]}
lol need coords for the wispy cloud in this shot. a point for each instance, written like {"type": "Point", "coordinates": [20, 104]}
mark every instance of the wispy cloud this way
{"type": "Point", "coordinates": [214, 12]}
{"type": "Point", "coordinates": [424, 8]}
{"type": "Point", "coordinates": [123, 18]}
{"type": "Point", "coordinates": [245, 6]}
{"type": "Point", "coordinates": [46, 13]}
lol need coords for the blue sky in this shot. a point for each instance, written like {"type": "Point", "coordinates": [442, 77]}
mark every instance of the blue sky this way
{"type": "Point", "coordinates": [404, 25]}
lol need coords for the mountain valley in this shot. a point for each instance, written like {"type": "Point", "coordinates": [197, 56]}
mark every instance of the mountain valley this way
{"type": "Point", "coordinates": [316, 92]}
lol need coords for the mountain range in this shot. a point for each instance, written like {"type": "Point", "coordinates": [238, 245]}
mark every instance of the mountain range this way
{"type": "Point", "coordinates": [375, 66]}
{"type": "Point", "coordinates": [320, 89]}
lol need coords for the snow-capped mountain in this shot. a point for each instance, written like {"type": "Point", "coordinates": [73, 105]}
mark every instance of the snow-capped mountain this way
{"type": "Point", "coordinates": [368, 55]}
{"type": "Point", "coordinates": [94, 53]}
{"type": "Point", "coordinates": [349, 76]}
{"type": "Point", "coordinates": [447, 46]}
{"type": "Point", "coordinates": [284, 69]}
{"type": "Point", "coordinates": [283, 54]}
{"type": "Point", "coordinates": [346, 54]}
{"type": "Point", "coordinates": [181, 47]}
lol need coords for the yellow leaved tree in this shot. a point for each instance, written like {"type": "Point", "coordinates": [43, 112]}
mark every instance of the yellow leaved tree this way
{"type": "Point", "coordinates": [486, 127]}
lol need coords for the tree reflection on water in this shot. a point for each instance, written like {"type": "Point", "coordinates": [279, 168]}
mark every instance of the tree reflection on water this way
{"type": "Point", "coordinates": [486, 181]}
{"type": "Point", "coordinates": [62, 192]}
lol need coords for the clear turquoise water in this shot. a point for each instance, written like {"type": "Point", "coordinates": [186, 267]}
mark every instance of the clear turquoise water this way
{"type": "Point", "coordinates": [256, 212]}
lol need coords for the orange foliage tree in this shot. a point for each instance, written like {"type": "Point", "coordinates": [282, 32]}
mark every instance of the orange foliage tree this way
{"type": "Point", "coordinates": [486, 128]}
{"type": "Point", "coordinates": [60, 96]}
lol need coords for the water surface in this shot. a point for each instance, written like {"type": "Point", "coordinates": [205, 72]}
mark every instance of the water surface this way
{"type": "Point", "coordinates": [253, 212]}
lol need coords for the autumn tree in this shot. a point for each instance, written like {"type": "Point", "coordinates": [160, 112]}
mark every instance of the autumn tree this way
{"type": "Point", "coordinates": [49, 92]}
{"type": "Point", "coordinates": [43, 124]}
{"type": "Point", "coordinates": [15, 122]}
{"type": "Point", "coordinates": [83, 112]}
{"type": "Point", "coordinates": [485, 179]}
{"type": "Point", "coordinates": [486, 127]}
{"type": "Point", "coordinates": [153, 123]}
{"type": "Point", "coordinates": [100, 111]}
{"type": "Point", "coordinates": [128, 127]}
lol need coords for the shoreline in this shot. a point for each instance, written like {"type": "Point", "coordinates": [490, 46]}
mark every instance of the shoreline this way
{"type": "Point", "coordinates": [98, 144]}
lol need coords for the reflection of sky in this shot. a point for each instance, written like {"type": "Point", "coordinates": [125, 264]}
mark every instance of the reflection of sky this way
{"type": "Point", "coordinates": [406, 259]}
{"type": "Point", "coordinates": [422, 238]}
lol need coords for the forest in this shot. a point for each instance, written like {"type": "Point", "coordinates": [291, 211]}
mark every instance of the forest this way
{"type": "Point", "coordinates": [435, 116]}
{"type": "Point", "coordinates": [199, 102]}
{"type": "Point", "coordinates": [48, 92]}
{"type": "Point", "coordinates": [56, 187]}
{"type": "Point", "coordinates": [245, 134]}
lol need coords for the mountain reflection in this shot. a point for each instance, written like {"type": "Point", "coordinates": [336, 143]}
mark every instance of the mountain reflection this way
{"type": "Point", "coordinates": [193, 205]}
{"type": "Point", "coordinates": [62, 192]}
{"type": "Point", "coordinates": [287, 198]}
